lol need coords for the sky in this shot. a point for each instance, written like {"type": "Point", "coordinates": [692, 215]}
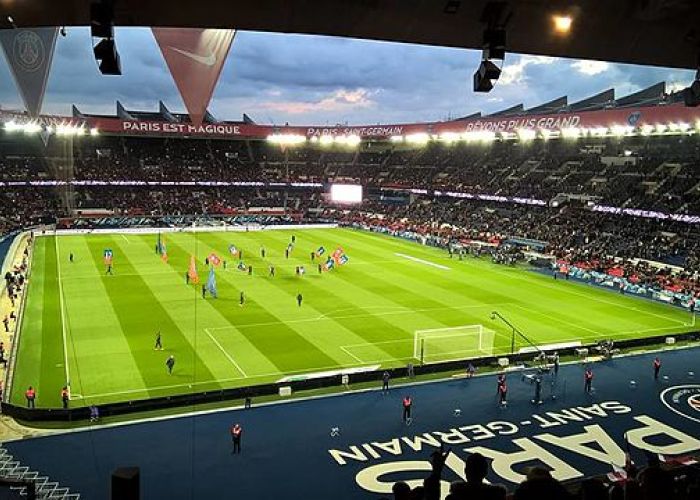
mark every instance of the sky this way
{"type": "Point", "coordinates": [304, 80]}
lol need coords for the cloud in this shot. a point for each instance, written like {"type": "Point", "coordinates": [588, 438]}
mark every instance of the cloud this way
{"type": "Point", "coordinates": [515, 73]}
{"type": "Point", "coordinates": [590, 67]}
{"type": "Point", "coordinates": [302, 79]}
{"type": "Point", "coordinates": [340, 100]}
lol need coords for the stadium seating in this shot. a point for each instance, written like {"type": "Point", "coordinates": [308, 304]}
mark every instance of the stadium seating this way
{"type": "Point", "coordinates": [652, 173]}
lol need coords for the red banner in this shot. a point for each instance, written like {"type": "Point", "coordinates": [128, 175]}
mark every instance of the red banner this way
{"type": "Point", "coordinates": [627, 117]}
{"type": "Point", "coordinates": [195, 58]}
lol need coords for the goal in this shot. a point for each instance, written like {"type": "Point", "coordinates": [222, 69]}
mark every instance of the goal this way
{"type": "Point", "coordinates": [450, 344]}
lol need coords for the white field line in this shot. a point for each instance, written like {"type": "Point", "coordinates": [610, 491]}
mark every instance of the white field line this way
{"type": "Point", "coordinates": [365, 344]}
{"type": "Point", "coordinates": [278, 264]}
{"type": "Point", "coordinates": [228, 356]}
{"type": "Point", "coordinates": [295, 372]}
{"type": "Point", "coordinates": [63, 313]}
{"type": "Point", "coordinates": [421, 261]}
{"type": "Point", "coordinates": [125, 238]}
{"type": "Point", "coordinates": [325, 317]}
{"type": "Point", "coordinates": [561, 321]}
{"type": "Point", "coordinates": [314, 369]}
{"type": "Point", "coordinates": [351, 355]}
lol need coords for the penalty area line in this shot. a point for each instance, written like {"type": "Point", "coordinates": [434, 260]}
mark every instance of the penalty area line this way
{"type": "Point", "coordinates": [228, 356]}
{"type": "Point", "coordinates": [421, 261]}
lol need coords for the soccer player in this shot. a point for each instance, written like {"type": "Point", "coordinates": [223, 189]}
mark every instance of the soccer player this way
{"type": "Point", "coordinates": [225, 265]}
{"type": "Point", "coordinates": [236, 434]}
{"type": "Point", "coordinates": [294, 239]}
{"type": "Point", "coordinates": [159, 344]}
{"type": "Point", "coordinates": [70, 257]}
{"type": "Point", "coordinates": [320, 268]}
{"type": "Point", "coordinates": [657, 367]}
{"type": "Point", "coordinates": [250, 270]}
{"type": "Point", "coordinates": [170, 363]}
{"type": "Point", "coordinates": [407, 403]}
{"type": "Point", "coordinates": [204, 292]}
{"type": "Point", "coordinates": [262, 252]}
{"type": "Point", "coordinates": [587, 380]}
{"type": "Point", "coordinates": [187, 278]}
{"type": "Point", "coordinates": [65, 397]}
{"type": "Point", "coordinates": [313, 256]}
{"type": "Point", "coordinates": [272, 271]}
{"type": "Point", "coordinates": [286, 253]}
{"type": "Point", "coordinates": [299, 299]}
{"type": "Point", "coordinates": [385, 382]}
{"type": "Point", "coordinates": [241, 299]}
{"type": "Point", "coordinates": [30, 394]}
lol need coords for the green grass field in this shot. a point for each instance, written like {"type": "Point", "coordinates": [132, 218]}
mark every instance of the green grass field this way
{"type": "Point", "coordinates": [98, 331]}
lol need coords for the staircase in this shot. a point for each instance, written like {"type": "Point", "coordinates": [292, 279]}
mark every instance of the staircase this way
{"type": "Point", "coordinates": [46, 489]}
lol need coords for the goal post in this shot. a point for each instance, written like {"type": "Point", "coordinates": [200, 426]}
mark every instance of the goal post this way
{"type": "Point", "coordinates": [454, 343]}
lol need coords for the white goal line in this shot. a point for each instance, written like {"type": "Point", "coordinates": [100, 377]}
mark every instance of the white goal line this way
{"type": "Point", "coordinates": [451, 329]}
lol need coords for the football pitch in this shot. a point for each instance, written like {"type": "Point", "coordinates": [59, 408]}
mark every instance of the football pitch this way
{"type": "Point", "coordinates": [98, 331]}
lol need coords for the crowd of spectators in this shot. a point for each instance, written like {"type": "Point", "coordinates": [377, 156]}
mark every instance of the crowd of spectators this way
{"type": "Point", "coordinates": [652, 482]}
{"type": "Point", "coordinates": [657, 173]}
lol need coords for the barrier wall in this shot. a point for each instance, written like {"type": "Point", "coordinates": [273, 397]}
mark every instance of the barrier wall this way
{"type": "Point", "coordinates": [194, 229]}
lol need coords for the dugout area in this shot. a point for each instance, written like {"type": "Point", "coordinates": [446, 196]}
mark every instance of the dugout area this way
{"type": "Point", "coordinates": [576, 435]}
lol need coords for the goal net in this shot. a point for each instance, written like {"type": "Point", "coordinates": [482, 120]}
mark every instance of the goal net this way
{"type": "Point", "coordinates": [450, 344]}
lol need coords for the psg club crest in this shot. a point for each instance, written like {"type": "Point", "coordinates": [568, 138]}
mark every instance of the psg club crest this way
{"type": "Point", "coordinates": [633, 118]}
{"type": "Point", "coordinates": [28, 51]}
{"type": "Point", "coordinates": [683, 400]}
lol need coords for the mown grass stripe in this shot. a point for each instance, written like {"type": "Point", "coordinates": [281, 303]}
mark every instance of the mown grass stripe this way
{"type": "Point", "coordinates": [140, 316]}
{"type": "Point", "coordinates": [282, 345]}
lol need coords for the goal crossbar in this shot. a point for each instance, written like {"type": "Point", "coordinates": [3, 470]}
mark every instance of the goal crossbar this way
{"type": "Point", "coordinates": [443, 344]}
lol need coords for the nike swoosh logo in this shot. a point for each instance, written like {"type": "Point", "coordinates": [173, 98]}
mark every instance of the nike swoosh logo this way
{"type": "Point", "coordinates": [208, 60]}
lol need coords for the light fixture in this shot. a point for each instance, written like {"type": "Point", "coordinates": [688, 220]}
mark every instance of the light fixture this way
{"type": "Point", "coordinates": [562, 24]}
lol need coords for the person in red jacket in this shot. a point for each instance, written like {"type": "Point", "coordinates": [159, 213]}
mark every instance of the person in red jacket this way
{"type": "Point", "coordinates": [30, 394]}
{"type": "Point", "coordinates": [657, 367]}
{"type": "Point", "coordinates": [407, 403]}
{"type": "Point", "coordinates": [503, 392]}
{"type": "Point", "coordinates": [236, 434]}
{"type": "Point", "coordinates": [587, 380]}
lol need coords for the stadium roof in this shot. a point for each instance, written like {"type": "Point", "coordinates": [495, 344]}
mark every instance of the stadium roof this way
{"type": "Point", "coordinates": [650, 96]}
{"type": "Point", "coordinates": [658, 32]}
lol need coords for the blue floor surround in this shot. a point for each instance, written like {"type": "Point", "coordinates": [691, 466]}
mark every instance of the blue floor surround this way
{"type": "Point", "coordinates": [288, 450]}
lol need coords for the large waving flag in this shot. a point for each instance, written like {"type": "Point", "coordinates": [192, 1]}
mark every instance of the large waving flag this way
{"type": "Point", "coordinates": [162, 248]}
{"type": "Point", "coordinates": [214, 259]}
{"type": "Point", "coordinates": [192, 272]}
{"type": "Point", "coordinates": [195, 58]}
{"type": "Point", "coordinates": [211, 283]}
